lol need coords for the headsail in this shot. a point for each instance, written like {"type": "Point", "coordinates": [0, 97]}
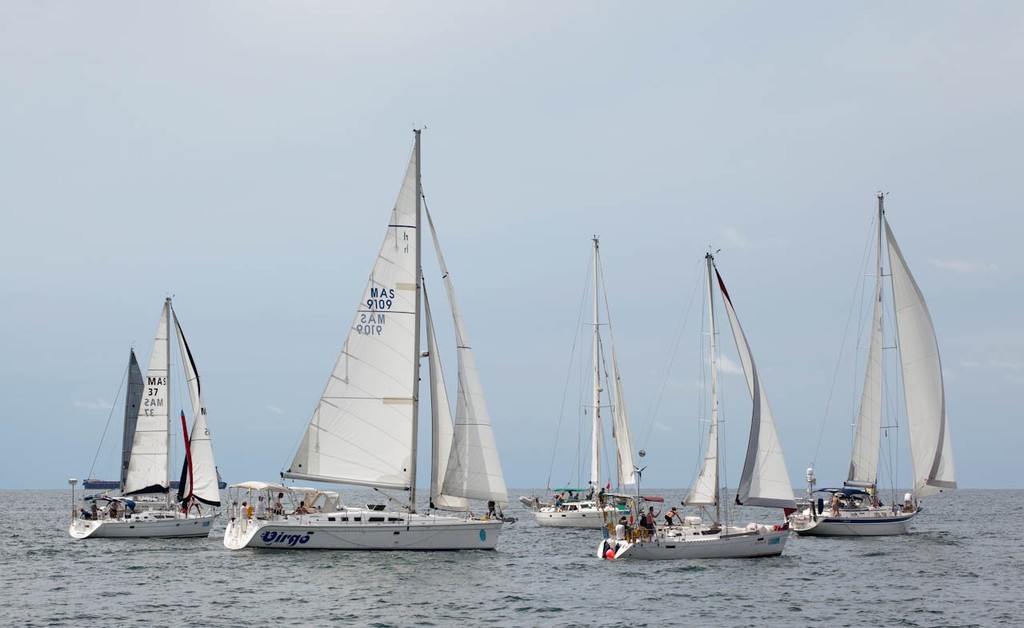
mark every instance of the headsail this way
{"type": "Point", "coordinates": [930, 445]}
{"type": "Point", "coordinates": [765, 480]}
{"type": "Point", "coordinates": [132, 404]}
{"type": "Point", "coordinates": [147, 470]}
{"type": "Point", "coordinates": [442, 432]}
{"type": "Point", "coordinates": [474, 467]}
{"type": "Point", "coordinates": [362, 431]}
{"type": "Point", "coordinates": [199, 472]}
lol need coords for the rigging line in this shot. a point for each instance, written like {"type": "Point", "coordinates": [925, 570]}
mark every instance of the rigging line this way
{"type": "Point", "coordinates": [652, 411]}
{"type": "Point", "coordinates": [568, 375]}
{"type": "Point", "coordinates": [839, 360]}
{"type": "Point", "coordinates": [107, 426]}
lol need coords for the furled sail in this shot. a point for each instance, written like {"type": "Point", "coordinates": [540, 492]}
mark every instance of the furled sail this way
{"type": "Point", "coordinates": [147, 469]}
{"type": "Point", "coordinates": [930, 444]}
{"type": "Point", "coordinates": [765, 480]}
{"type": "Point", "coordinates": [362, 430]}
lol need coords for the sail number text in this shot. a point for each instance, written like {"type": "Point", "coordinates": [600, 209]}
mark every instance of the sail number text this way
{"type": "Point", "coordinates": [373, 323]}
{"type": "Point", "coordinates": [154, 398]}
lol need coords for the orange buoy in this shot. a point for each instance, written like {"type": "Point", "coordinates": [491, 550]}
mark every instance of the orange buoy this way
{"type": "Point", "coordinates": [610, 554]}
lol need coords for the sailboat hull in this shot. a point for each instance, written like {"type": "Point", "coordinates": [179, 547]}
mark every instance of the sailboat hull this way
{"type": "Point", "coordinates": [875, 522]}
{"type": "Point", "coordinates": [693, 544]}
{"type": "Point", "coordinates": [359, 532]}
{"type": "Point", "coordinates": [582, 516]}
{"type": "Point", "coordinates": [146, 525]}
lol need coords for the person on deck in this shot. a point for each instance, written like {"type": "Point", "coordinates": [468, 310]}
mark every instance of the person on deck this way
{"type": "Point", "coordinates": [672, 517]}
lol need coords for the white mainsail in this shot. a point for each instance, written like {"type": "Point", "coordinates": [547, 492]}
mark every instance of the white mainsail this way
{"type": "Point", "coordinates": [930, 444]}
{"type": "Point", "coordinates": [706, 488]}
{"type": "Point", "coordinates": [148, 467]}
{"type": "Point", "coordinates": [765, 480]}
{"type": "Point", "coordinates": [443, 433]}
{"type": "Point", "coordinates": [621, 433]}
{"type": "Point", "coordinates": [363, 429]}
{"type": "Point", "coordinates": [199, 473]}
{"type": "Point", "coordinates": [864, 458]}
{"type": "Point", "coordinates": [474, 467]}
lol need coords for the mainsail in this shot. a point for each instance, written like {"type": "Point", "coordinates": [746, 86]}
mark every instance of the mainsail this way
{"type": "Point", "coordinates": [132, 404]}
{"type": "Point", "coordinates": [864, 457]}
{"type": "Point", "coordinates": [147, 470]}
{"type": "Point", "coordinates": [362, 431]}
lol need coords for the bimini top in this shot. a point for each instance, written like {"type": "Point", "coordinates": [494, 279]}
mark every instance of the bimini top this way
{"type": "Point", "coordinates": [849, 492]}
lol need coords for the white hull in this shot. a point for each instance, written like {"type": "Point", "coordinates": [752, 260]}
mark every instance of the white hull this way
{"type": "Point", "coordinates": [591, 518]}
{"type": "Point", "coordinates": [685, 544]}
{"type": "Point", "coordinates": [876, 522]}
{"type": "Point", "coordinates": [363, 530]}
{"type": "Point", "coordinates": [146, 525]}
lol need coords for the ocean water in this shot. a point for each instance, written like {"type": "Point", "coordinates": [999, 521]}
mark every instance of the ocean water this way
{"type": "Point", "coordinates": [962, 565]}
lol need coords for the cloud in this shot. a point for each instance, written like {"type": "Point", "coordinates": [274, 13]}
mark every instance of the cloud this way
{"type": "Point", "coordinates": [727, 366]}
{"type": "Point", "coordinates": [96, 404]}
{"type": "Point", "coordinates": [964, 267]}
{"type": "Point", "coordinates": [734, 237]}
{"type": "Point", "coordinates": [969, 364]}
{"type": "Point", "coordinates": [275, 410]}
{"type": "Point", "coordinates": [1004, 365]}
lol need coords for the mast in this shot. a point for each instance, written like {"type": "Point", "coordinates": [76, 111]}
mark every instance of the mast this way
{"type": "Point", "coordinates": [714, 384]}
{"type": "Point", "coordinates": [867, 431]}
{"type": "Point", "coordinates": [416, 327]}
{"type": "Point", "coordinates": [167, 355]}
{"type": "Point", "coordinates": [595, 445]}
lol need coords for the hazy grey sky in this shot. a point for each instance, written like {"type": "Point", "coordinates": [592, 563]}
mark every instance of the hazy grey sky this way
{"type": "Point", "coordinates": [244, 156]}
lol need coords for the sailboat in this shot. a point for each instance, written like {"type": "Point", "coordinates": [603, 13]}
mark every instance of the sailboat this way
{"type": "Point", "coordinates": [145, 508]}
{"type": "Point", "coordinates": [364, 429]}
{"type": "Point", "coordinates": [592, 506]}
{"type": "Point", "coordinates": [855, 509]}
{"type": "Point", "coordinates": [764, 481]}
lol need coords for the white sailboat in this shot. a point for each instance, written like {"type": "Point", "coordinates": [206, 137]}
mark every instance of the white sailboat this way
{"type": "Point", "coordinates": [591, 507]}
{"type": "Point", "coordinates": [146, 473]}
{"type": "Point", "coordinates": [364, 429]}
{"type": "Point", "coordinates": [764, 481]}
{"type": "Point", "coordinates": [855, 509]}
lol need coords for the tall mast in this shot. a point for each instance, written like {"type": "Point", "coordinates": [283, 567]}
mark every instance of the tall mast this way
{"type": "Point", "coordinates": [595, 445]}
{"type": "Point", "coordinates": [416, 348]}
{"type": "Point", "coordinates": [167, 353]}
{"type": "Point", "coordinates": [714, 384]}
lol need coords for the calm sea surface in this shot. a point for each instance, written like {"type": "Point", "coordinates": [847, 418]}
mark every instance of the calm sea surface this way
{"type": "Point", "coordinates": [962, 565]}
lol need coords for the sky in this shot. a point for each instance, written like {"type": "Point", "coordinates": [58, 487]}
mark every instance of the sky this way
{"type": "Point", "coordinates": [243, 158]}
